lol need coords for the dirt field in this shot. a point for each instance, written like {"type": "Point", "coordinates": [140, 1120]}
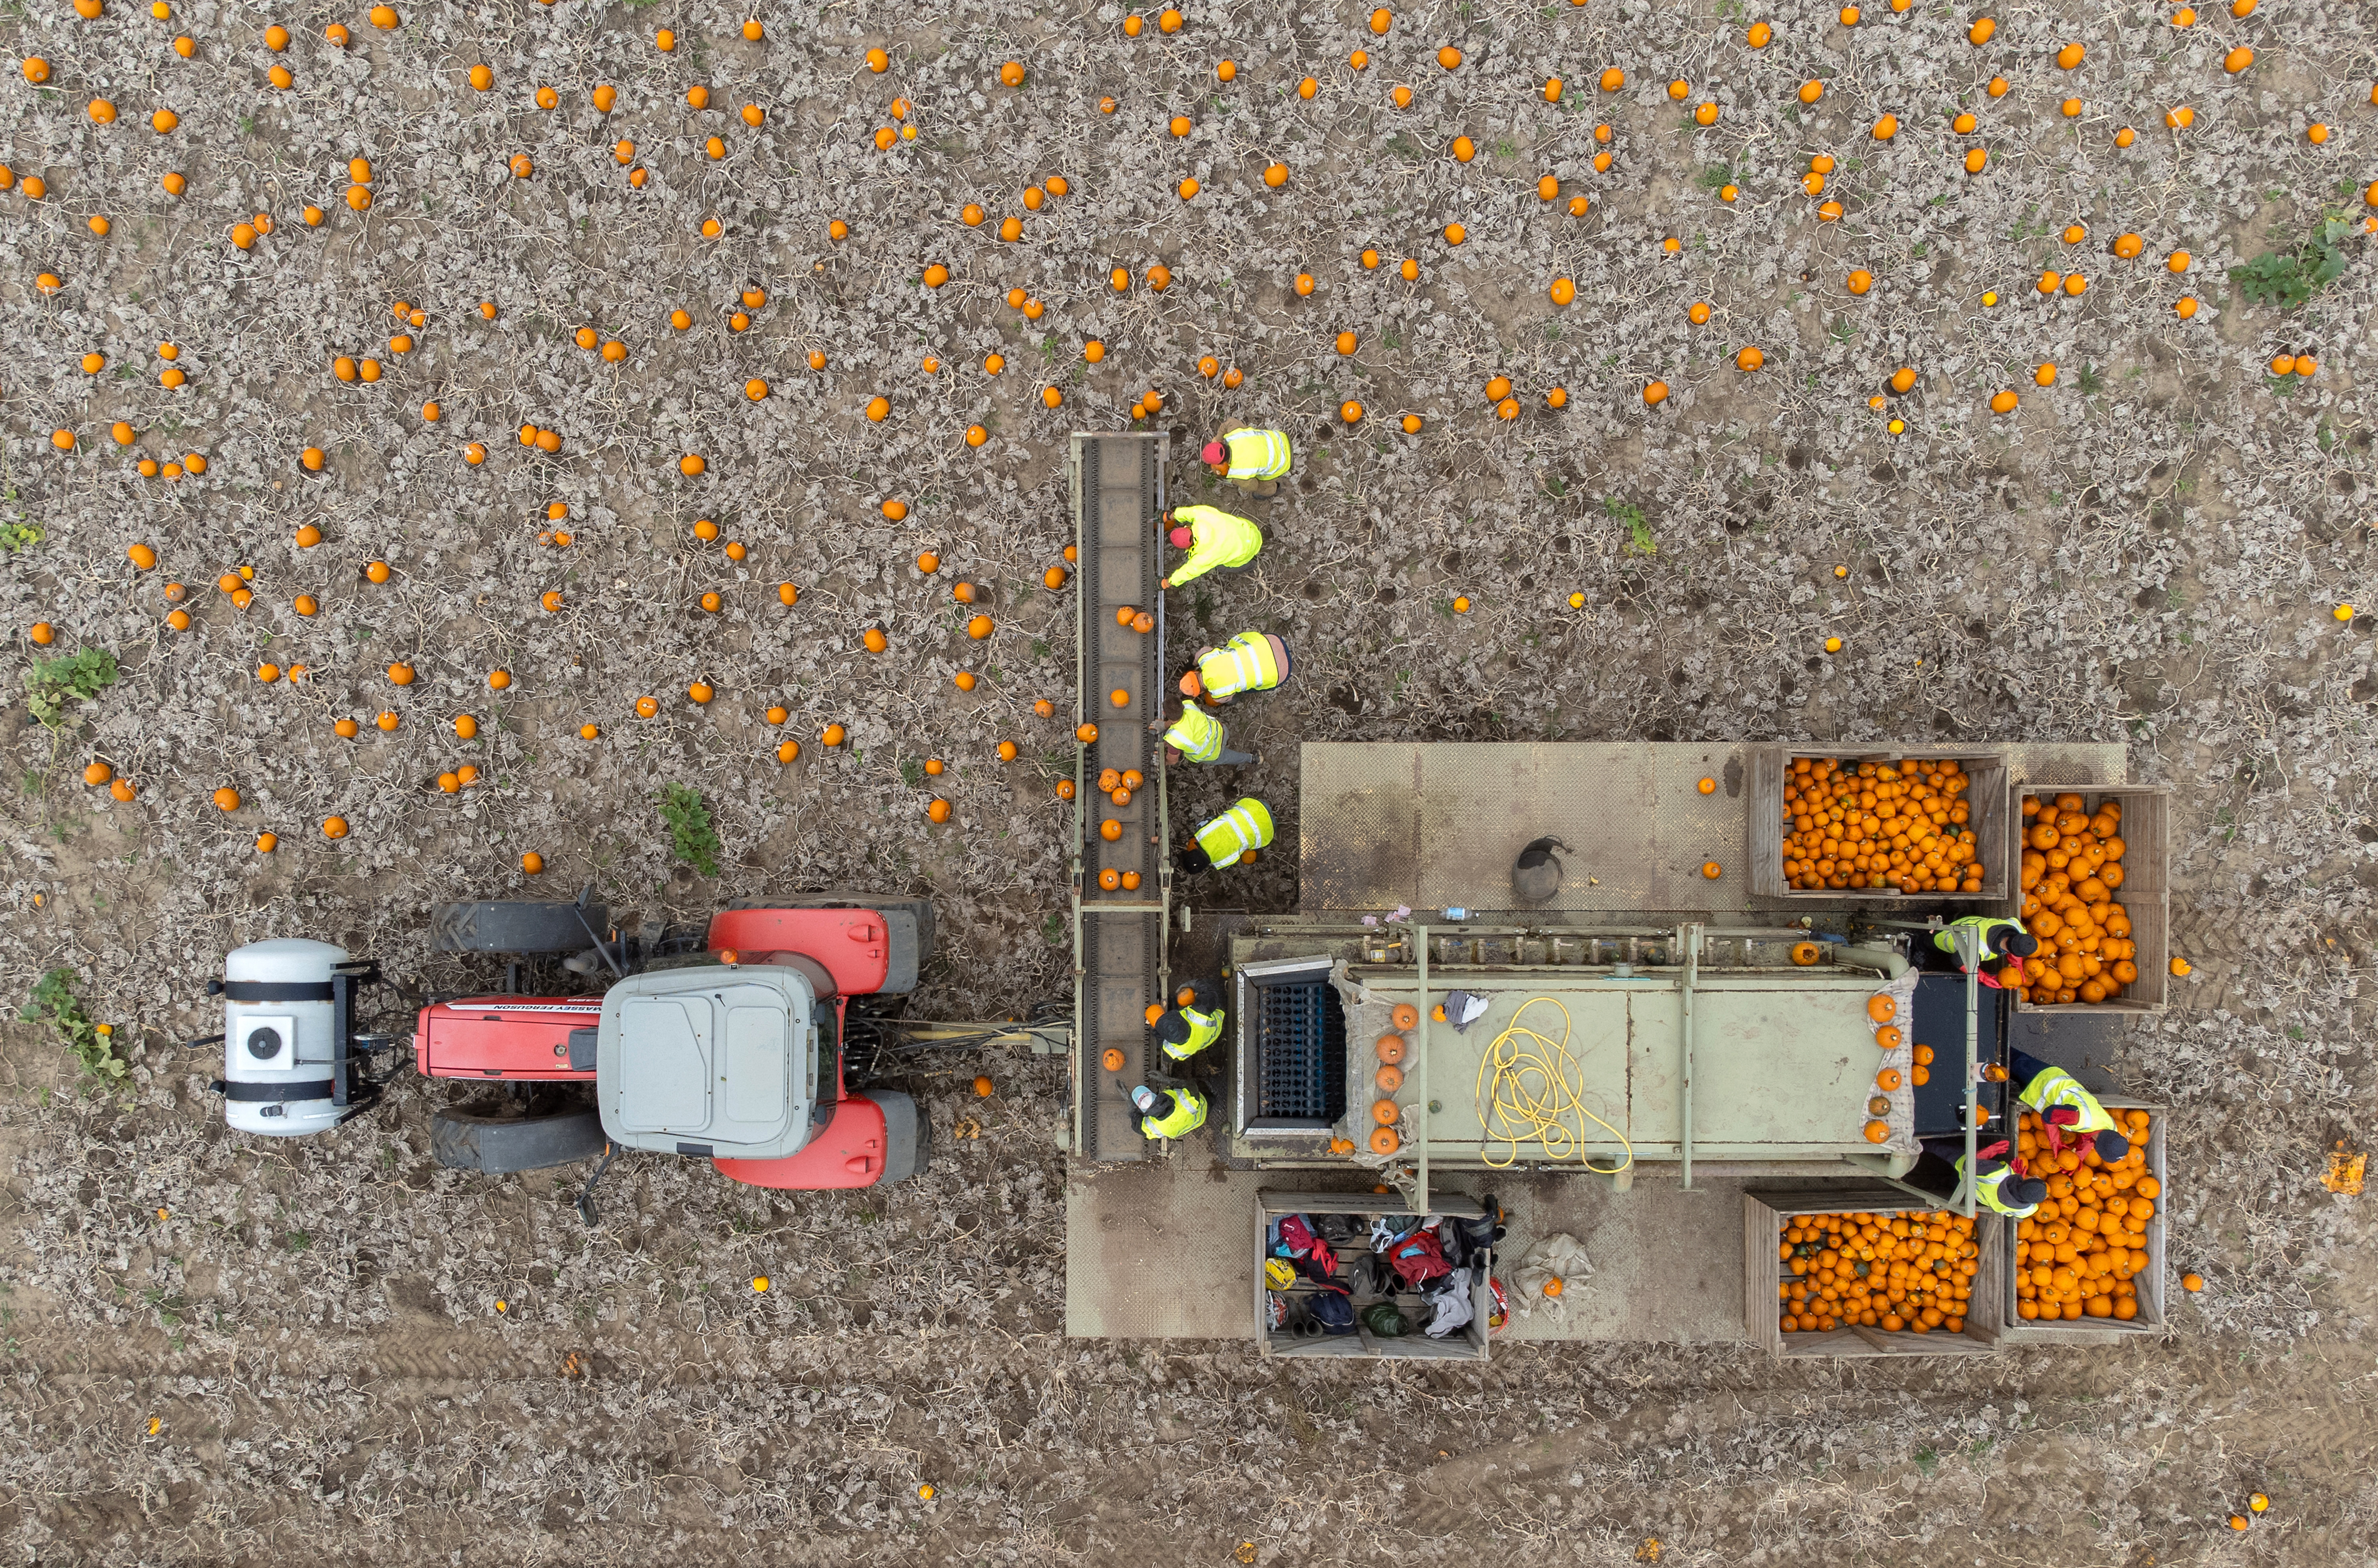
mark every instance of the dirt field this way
{"type": "Point", "coordinates": [219, 1350]}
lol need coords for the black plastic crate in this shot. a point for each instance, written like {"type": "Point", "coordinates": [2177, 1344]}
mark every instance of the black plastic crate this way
{"type": "Point", "coordinates": [1300, 1051]}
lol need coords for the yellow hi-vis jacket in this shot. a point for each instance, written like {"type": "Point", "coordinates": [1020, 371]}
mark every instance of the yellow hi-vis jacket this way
{"type": "Point", "coordinates": [1204, 1029]}
{"type": "Point", "coordinates": [1188, 1114]}
{"type": "Point", "coordinates": [1986, 1192]}
{"type": "Point", "coordinates": [1215, 538]}
{"type": "Point", "coordinates": [1245, 663]}
{"type": "Point", "coordinates": [2056, 1087]}
{"type": "Point", "coordinates": [1197, 735]}
{"type": "Point", "coordinates": [1983, 925]}
{"type": "Point", "coordinates": [1258, 454]}
{"type": "Point", "coordinates": [1246, 825]}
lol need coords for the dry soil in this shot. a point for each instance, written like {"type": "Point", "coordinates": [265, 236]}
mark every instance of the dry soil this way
{"type": "Point", "coordinates": [221, 1350]}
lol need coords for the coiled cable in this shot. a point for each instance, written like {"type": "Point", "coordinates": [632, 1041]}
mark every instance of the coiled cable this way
{"type": "Point", "coordinates": [1534, 1095]}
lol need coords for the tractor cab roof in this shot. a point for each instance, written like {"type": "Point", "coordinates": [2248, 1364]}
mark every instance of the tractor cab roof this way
{"type": "Point", "coordinates": [713, 1060]}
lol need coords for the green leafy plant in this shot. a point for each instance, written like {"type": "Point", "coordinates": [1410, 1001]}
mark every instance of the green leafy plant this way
{"type": "Point", "coordinates": [53, 1002]}
{"type": "Point", "coordinates": [15, 534]}
{"type": "Point", "coordinates": [76, 677]}
{"type": "Point", "coordinates": [2286, 279]}
{"type": "Point", "coordinates": [691, 837]}
{"type": "Point", "coordinates": [1639, 540]}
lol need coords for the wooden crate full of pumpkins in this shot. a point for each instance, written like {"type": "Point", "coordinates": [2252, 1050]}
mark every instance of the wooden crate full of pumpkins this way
{"type": "Point", "coordinates": [1854, 1268]}
{"type": "Point", "coordinates": [1868, 824]}
{"type": "Point", "coordinates": [2089, 1264]}
{"type": "Point", "coordinates": [2094, 888]}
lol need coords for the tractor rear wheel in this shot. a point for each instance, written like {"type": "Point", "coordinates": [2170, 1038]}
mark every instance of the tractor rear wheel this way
{"type": "Point", "coordinates": [516, 926]}
{"type": "Point", "coordinates": [500, 1145]}
{"type": "Point", "coordinates": [907, 1136]}
{"type": "Point", "coordinates": [912, 946]}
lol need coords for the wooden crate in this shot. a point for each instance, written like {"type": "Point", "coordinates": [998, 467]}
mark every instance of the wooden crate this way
{"type": "Point", "coordinates": [1469, 1344]}
{"type": "Point", "coordinates": [2146, 891]}
{"type": "Point", "coordinates": [1763, 1218]}
{"type": "Point", "coordinates": [2150, 1282]}
{"type": "Point", "coordinates": [1987, 795]}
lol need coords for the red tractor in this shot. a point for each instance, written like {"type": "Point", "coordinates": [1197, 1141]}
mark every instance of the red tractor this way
{"type": "Point", "coordinates": [725, 1044]}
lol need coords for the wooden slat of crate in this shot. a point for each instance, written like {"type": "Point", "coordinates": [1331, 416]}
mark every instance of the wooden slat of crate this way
{"type": "Point", "coordinates": [2145, 893]}
{"type": "Point", "coordinates": [1763, 1228]}
{"type": "Point", "coordinates": [1987, 793]}
{"type": "Point", "coordinates": [2149, 1281]}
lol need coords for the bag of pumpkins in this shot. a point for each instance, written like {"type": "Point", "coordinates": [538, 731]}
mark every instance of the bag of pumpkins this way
{"type": "Point", "coordinates": [1552, 1267]}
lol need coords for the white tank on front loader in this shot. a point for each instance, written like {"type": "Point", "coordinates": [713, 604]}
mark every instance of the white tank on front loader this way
{"type": "Point", "coordinates": [281, 1040]}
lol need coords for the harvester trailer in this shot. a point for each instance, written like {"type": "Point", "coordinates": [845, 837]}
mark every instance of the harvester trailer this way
{"type": "Point", "coordinates": [1715, 1052]}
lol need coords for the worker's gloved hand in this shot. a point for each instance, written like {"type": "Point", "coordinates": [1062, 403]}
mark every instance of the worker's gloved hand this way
{"type": "Point", "coordinates": [1991, 1150]}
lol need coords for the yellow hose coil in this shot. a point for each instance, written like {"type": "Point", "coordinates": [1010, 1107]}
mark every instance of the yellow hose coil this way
{"type": "Point", "coordinates": [1534, 1086]}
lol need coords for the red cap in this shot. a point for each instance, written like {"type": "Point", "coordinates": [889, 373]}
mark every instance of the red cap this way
{"type": "Point", "coordinates": [1181, 538]}
{"type": "Point", "coordinates": [1214, 452]}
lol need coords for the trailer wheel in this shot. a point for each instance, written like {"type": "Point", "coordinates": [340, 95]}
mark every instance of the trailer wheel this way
{"type": "Point", "coordinates": [500, 1145]}
{"type": "Point", "coordinates": [515, 927]}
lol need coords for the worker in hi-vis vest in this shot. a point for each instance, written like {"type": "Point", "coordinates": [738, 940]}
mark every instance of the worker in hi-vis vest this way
{"type": "Point", "coordinates": [1168, 1113]}
{"type": "Point", "coordinates": [1229, 838]}
{"type": "Point", "coordinates": [1197, 736]}
{"type": "Point", "coordinates": [1191, 1026]}
{"type": "Point", "coordinates": [2065, 1108]}
{"type": "Point", "coordinates": [1252, 661]}
{"type": "Point", "coordinates": [1255, 461]}
{"type": "Point", "coordinates": [2004, 1187]}
{"type": "Point", "coordinates": [1213, 537]}
{"type": "Point", "coordinates": [2002, 943]}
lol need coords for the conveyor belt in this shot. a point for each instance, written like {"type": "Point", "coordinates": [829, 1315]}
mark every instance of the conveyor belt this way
{"type": "Point", "coordinates": [1119, 934]}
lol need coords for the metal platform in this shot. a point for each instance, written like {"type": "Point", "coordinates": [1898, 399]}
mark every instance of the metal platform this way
{"type": "Point", "coordinates": [1119, 934]}
{"type": "Point", "coordinates": [1154, 1249]}
{"type": "Point", "coordinates": [1431, 827]}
